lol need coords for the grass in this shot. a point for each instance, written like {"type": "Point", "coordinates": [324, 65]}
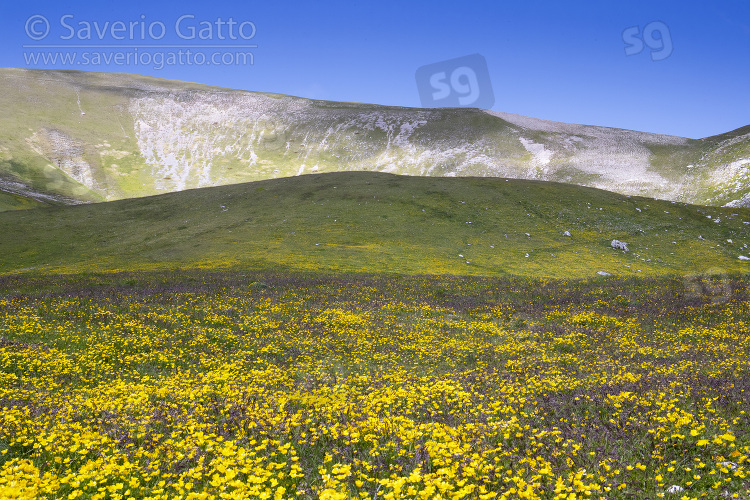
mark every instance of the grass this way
{"type": "Point", "coordinates": [371, 222]}
{"type": "Point", "coordinates": [365, 335]}
{"type": "Point", "coordinates": [134, 126]}
{"type": "Point", "coordinates": [36, 101]}
{"type": "Point", "coordinates": [10, 201]}
{"type": "Point", "coordinates": [206, 384]}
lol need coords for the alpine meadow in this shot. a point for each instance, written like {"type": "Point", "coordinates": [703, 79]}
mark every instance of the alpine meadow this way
{"type": "Point", "coordinates": [209, 293]}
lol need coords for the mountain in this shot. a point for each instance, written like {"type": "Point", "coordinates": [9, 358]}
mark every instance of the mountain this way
{"type": "Point", "coordinates": [370, 222]}
{"type": "Point", "coordinates": [74, 137]}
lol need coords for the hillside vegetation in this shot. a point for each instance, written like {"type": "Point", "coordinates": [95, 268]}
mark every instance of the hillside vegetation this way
{"type": "Point", "coordinates": [383, 223]}
{"type": "Point", "coordinates": [78, 136]}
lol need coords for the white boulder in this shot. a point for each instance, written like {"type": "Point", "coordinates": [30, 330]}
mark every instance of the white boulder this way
{"type": "Point", "coordinates": [619, 245]}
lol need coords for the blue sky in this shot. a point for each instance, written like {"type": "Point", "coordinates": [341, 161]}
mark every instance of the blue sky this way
{"type": "Point", "coordinates": [563, 61]}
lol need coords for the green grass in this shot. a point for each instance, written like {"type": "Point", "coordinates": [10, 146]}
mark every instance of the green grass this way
{"type": "Point", "coordinates": [228, 136]}
{"type": "Point", "coordinates": [10, 201]}
{"type": "Point", "coordinates": [35, 101]}
{"type": "Point", "coordinates": [382, 223]}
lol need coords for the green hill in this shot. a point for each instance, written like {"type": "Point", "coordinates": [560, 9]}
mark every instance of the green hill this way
{"type": "Point", "coordinates": [384, 223]}
{"type": "Point", "coordinates": [70, 136]}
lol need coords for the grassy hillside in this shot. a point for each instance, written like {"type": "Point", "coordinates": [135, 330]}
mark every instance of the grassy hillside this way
{"type": "Point", "coordinates": [68, 133]}
{"type": "Point", "coordinates": [12, 201]}
{"type": "Point", "coordinates": [374, 222]}
{"type": "Point", "coordinates": [105, 136]}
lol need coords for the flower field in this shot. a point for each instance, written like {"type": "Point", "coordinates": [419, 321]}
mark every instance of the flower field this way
{"type": "Point", "coordinates": [198, 384]}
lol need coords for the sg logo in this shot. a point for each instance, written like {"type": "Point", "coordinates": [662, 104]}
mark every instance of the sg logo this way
{"type": "Point", "coordinates": [713, 284]}
{"type": "Point", "coordinates": [460, 82]}
{"type": "Point", "coordinates": [661, 45]}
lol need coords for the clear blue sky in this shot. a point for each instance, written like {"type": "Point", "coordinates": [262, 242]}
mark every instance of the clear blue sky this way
{"type": "Point", "coordinates": [556, 60]}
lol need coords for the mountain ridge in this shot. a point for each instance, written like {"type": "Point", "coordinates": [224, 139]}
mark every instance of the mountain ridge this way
{"type": "Point", "coordinates": [74, 136]}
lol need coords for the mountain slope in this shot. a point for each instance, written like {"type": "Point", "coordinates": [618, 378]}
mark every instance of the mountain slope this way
{"type": "Point", "coordinates": [97, 136]}
{"type": "Point", "coordinates": [374, 222]}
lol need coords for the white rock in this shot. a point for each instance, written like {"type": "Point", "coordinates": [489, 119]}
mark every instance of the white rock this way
{"type": "Point", "coordinates": [675, 489]}
{"type": "Point", "coordinates": [742, 257]}
{"type": "Point", "coordinates": [603, 273]}
{"type": "Point", "coordinates": [567, 233]}
{"type": "Point", "coordinates": [619, 245]}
